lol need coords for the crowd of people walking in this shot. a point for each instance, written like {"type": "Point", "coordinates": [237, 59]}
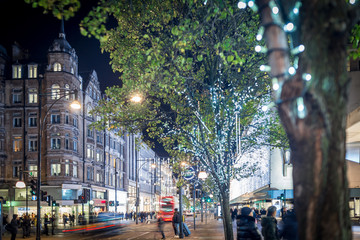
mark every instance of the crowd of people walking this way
{"type": "Point", "coordinates": [248, 227]}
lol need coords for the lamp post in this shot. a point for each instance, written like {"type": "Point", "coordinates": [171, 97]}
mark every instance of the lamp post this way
{"type": "Point", "coordinates": [74, 105]}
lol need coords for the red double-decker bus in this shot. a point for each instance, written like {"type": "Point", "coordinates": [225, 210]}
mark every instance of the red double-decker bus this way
{"type": "Point", "coordinates": [167, 206]}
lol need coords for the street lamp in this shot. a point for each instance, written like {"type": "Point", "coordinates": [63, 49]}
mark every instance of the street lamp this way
{"type": "Point", "coordinates": [40, 129]}
{"type": "Point", "coordinates": [136, 98]}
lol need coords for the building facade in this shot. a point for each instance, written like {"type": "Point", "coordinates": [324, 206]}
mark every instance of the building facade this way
{"type": "Point", "coordinates": [77, 161]}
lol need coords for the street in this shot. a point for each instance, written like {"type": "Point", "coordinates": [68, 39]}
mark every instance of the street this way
{"type": "Point", "coordinates": [212, 230]}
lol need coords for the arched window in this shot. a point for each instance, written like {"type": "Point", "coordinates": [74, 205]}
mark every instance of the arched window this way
{"type": "Point", "coordinates": [55, 91]}
{"type": "Point", "coordinates": [72, 70]}
{"type": "Point", "coordinates": [67, 91]}
{"type": "Point", "coordinates": [57, 67]}
{"type": "Point", "coordinates": [88, 110]}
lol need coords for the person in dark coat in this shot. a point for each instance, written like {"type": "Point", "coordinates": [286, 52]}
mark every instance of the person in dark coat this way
{"type": "Point", "coordinates": [246, 227]}
{"type": "Point", "coordinates": [176, 222]}
{"type": "Point", "coordinates": [269, 225]}
{"type": "Point", "coordinates": [289, 226]}
{"type": "Point", "coordinates": [46, 222]}
{"type": "Point", "coordinates": [26, 226]}
{"type": "Point", "coordinates": [14, 225]}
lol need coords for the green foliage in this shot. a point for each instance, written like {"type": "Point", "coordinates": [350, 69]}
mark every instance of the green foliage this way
{"type": "Point", "coordinates": [59, 8]}
{"type": "Point", "coordinates": [355, 40]}
{"type": "Point", "coordinates": [195, 67]}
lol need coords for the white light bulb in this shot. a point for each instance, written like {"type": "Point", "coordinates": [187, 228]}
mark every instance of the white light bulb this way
{"type": "Point", "coordinates": [289, 27]}
{"type": "Point", "coordinates": [301, 48]}
{"type": "Point", "coordinates": [259, 37]}
{"type": "Point", "coordinates": [301, 108]}
{"type": "Point", "coordinates": [241, 5]}
{"type": "Point", "coordinates": [307, 76]}
{"type": "Point", "coordinates": [276, 86]}
{"type": "Point", "coordinates": [296, 11]}
{"type": "Point", "coordinates": [292, 70]}
{"type": "Point", "coordinates": [275, 10]}
{"type": "Point", "coordinates": [352, 1]}
{"type": "Point", "coordinates": [251, 3]}
{"type": "Point", "coordinates": [264, 108]}
{"type": "Point", "coordinates": [258, 48]}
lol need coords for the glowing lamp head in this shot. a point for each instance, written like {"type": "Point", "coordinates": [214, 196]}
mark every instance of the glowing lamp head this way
{"type": "Point", "coordinates": [136, 99]}
{"type": "Point", "coordinates": [20, 184]}
{"type": "Point", "coordinates": [75, 105]}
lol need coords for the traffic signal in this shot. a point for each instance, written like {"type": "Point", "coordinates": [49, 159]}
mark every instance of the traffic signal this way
{"type": "Point", "coordinates": [208, 199]}
{"type": "Point", "coordinates": [111, 203]}
{"type": "Point", "coordinates": [282, 197]}
{"type": "Point", "coordinates": [33, 187]}
{"type": "Point", "coordinates": [43, 195]}
{"type": "Point", "coordinates": [48, 200]}
{"type": "Point", "coordinates": [81, 198]}
{"type": "Point", "coordinates": [86, 193]}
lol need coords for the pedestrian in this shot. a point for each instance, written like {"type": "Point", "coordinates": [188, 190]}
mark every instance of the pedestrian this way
{"type": "Point", "coordinates": [176, 222]}
{"type": "Point", "coordinates": [46, 222]}
{"type": "Point", "coordinates": [246, 227]}
{"type": "Point", "coordinates": [14, 225]}
{"type": "Point", "coordinates": [269, 225]}
{"type": "Point", "coordinates": [25, 225]}
{"type": "Point", "coordinates": [289, 226]}
{"type": "Point", "coordinates": [161, 226]}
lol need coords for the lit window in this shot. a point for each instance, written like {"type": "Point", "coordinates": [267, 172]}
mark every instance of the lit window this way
{"type": "Point", "coordinates": [33, 95]}
{"type": "Point", "coordinates": [75, 146]}
{"type": "Point", "coordinates": [33, 145]}
{"type": "Point", "coordinates": [97, 177]}
{"type": "Point", "coordinates": [17, 144]}
{"type": "Point", "coordinates": [67, 169]}
{"type": "Point", "coordinates": [32, 71]}
{"type": "Point", "coordinates": [67, 91]}
{"type": "Point", "coordinates": [90, 151]}
{"type": "Point", "coordinates": [17, 71]}
{"type": "Point", "coordinates": [55, 143]}
{"type": "Point", "coordinates": [75, 170]}
{"type": "Point", "coordinates": [57, 67]}
{"type": "Point", "coordinates": [72, 70]}
{"type": "Point", "coordinates": [55, 91]}
{"type": "Point", "coordinates": [33, 170]}
{"type": "Point", "coordinates": [55, 169]}
{"type": "Point", "coordinates": [89, 108]}
{"type": "Point", "coordinates": [16, 95]}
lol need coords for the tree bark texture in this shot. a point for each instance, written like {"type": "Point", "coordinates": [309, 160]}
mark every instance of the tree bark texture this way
{"type": "Point", "coordinates": [317, 141]}
{"type": "Point", "coordinates": [225, 208]}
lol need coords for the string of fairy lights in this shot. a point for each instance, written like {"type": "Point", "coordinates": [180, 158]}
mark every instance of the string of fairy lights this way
{"type": "Point", "coordinates": [285, 21]}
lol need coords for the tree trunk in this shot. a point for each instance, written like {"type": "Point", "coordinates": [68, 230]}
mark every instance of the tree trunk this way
{"type": "Point", "coordinates": [225, 208]}
{"type": "Point", "coordinates": [317, 141]}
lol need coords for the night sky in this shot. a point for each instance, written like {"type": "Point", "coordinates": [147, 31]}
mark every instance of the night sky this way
{"type": "Point", "coordinates": [36, 31]}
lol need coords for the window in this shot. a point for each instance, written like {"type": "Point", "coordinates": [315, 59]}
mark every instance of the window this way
{"type": "Point", "coordinates": [99, 156]}
{"type": "Point", "coordinates": [16, 170]}
{"type": "Point", "coordinates": [57, 67]}
{"type": "Point", "coordinates": [72, 70]}
{"type": "Point", "coordinates": [33, 170]}
{"type": "Point", "coordinates": [67, 119]}
{"type": "Point", "coordinates": [32, 119]}
{"type": "Point", "coordinates": [16, 95]}
{"type": "Point", "coordinates": [17, 142]}
{"type": "Point", "coordinates": [55, 169]}
{"type": "Point", "coordinates": [97, 177]}
{"type": "Point", "coordinates": [89, 108]}
{"type": "Point", "coordinates": [32, 71]}
{"type": "Point", "coordinates": [75, 170]}
{"type": "Point", "coordinates": [55, 91]}
{"type": "Point", "coordinates": [55, 143]}
{"type": "Point", "coordinates": [17, 71]}
{"type": "Point", "coordinates": [16, 121]}
{"type": "Point", "coordinates": [66, 143]}
{"type": "Point", "coordinates": [75, 145]}
{"type": "Point", "coordinates": [55, 118]}
{"type": "Point", "coordinates": [33, 144]}
{"type": "Point", "coordinates": [90, 132]}
{"type": "Point", "coordinates": [90, 151]}
{"type": "Point", "coordinates": [67, 169]}
{"type": "Point", "coordinates": [99, 138]}
{"type": "Point", "coordinates": [67, 91]}
{"type": "Point", "coordinates": [33, 95]}
{"type": "Point", "coordinates": [75, 121]}
{"type": "Point", "coordinates": [90, 173]}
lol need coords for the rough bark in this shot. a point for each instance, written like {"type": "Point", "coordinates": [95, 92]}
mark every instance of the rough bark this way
{"type": "Point", "coordinates": [227, 222]}
{"type": "Point", "coordinates": [317, 141]}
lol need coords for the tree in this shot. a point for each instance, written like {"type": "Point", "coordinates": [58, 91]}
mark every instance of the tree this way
{"type": "Point", "coordinates": [194, 66]}
{"type": "Point", "coordinates": [311, 102]}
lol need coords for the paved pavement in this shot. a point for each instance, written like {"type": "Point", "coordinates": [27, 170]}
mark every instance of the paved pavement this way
{"type": "Point", "coordinates": [213, 230]}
